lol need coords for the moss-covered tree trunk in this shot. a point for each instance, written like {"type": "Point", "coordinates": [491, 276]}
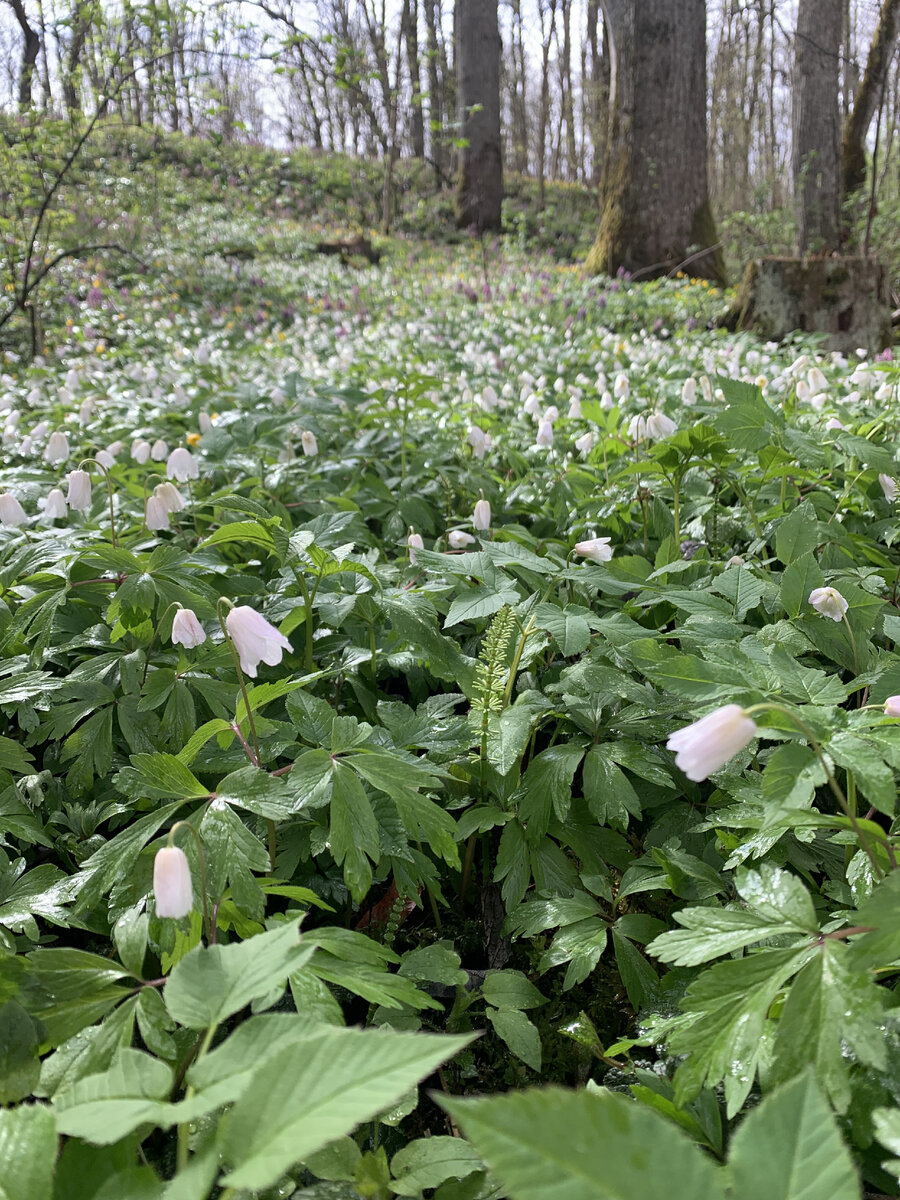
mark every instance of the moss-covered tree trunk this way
{"type": "Point", "coordinates": [480, 191]}
{"type": "Point", "coordinates": [816, 124]}
{"type": "Point", "coordinates": [654, 199]}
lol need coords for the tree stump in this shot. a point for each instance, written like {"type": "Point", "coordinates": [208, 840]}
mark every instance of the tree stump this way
{"type": "Point", "coordinates": [845, 298]}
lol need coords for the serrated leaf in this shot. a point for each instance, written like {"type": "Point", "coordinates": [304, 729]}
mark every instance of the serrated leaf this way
{"type": "Point", "coordinates": [28, 1149]}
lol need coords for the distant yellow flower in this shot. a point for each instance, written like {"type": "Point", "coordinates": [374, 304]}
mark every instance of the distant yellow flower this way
{"type": "Point", "coordinates": [192, 439]}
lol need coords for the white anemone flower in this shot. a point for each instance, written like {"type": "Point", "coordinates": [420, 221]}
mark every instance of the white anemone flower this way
{"type": "Point", "coordinates": [181, 465]}
{"type": "Point", "coordinates": [78, 495]}
{"type": "Point", "coordinates": [309, 443]}
{"type": "Point", "coordinates": [889, 487]}
{"type": "Point", "coordinates": [11, 511]}
{"type": "Point", "coordinates": [596, 549]}
{"type": "Point", "coordinates": [707, 744]}
{"type": "Point", "coordinates": [57, 449]}
{"type": "Point", "coordinates": [481, 517]}
{"type": "Point", "coordinates": [172, 889]}
{"type": "Point", "coordinates": [829, 602]}
{"type": "Point", "coordinates": [55, 505]}
{"type": "Point", "coordinates": [459, 539]}
{"type": "Point", "coordinates": [254, 639]}
{"type": "Point", "coordinates": [156, 515]}
{"type": "Point", "coordinates": [187, 630]}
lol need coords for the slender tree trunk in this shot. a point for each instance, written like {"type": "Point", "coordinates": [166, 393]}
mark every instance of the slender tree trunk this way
{"type": "Point", "coordinates": [655, 210]}
{"type": "Point", "coordinates": [435, 91]}
{"type": "Point", "coordinates": [480, 188]}
{"type": "Point", "coordinates": [568, 98]}
{"type": "Point", "coordinates": [544, 117]}
{"type": "Point", "coordinates": [868, 97]}
{"type": "Point", "coordinates": [31, 45]}
{"type": "Point", "coordinates": [81, 23]}
{"type": "Point", "coordinates": [816, 124]}
{"type": "Point", "coordinates": [411, 41]}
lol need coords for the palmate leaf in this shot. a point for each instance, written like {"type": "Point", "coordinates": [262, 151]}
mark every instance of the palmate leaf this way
{"type": "Point", "coordinates": [556, 1145]}
{"type": "Point", "coordinates": [319, 1090]}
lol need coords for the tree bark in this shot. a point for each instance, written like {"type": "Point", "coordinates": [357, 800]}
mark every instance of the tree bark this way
{"type": "Point", "coordinates": [480, 188]}
{"type": "Point", "coordinates": [411, 40]}
{"type": "Point", "coordinates": [655, 210]}
{"type": "Point", "coordinates": [816, 124]}
{"type": "Point", "coordinates": [435, 91]}
{"type": "Point", "coordinates": [30, 50]}
{"type": "Point", "coordinates": [868, 96]}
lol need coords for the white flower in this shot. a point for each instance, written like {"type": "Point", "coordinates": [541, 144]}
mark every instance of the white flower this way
{"type": "Point", "coordinates": [169, 494]}
{"type": "Point", "coordinates": [481, 517]}
{"type": "Point", "coordinates": [201, 354]}
{"type": "Point", "coordinates": [689, 391]}
{"type": "Point", "coordinates": [57, 450]}
{"type": "Point", "coordinates": [477, 439]}
{"type": "Point", "coordinates": [545, 435]}
{"type": "Point", "coordinates": [585, 443]}
{"type": "Point", "coordinates": [637, 428]}
{"type": "Point", "coordinates": [606, 402]}
{"type": "Point", "coordinates": [11, 511]}
{"type": "Point", "coordinates": [309, 443]}
{"type": "Point", "coordinates": [182, 465]}
{"type": "Point", "coordinates": [834, 423]}
{"type": "Point", "coordinates": [156, 515]}
{"type": "Point", "coordinates": [818, 401]}
{"type": "Point", "coordinates": [105, 459]}
{"type": "Point", "coordinates": [575, 408]}
{"type": "Point", "coordinates": [532, 405]}
{"type": "Point", "coordinates": [889, 487]}
{"type": "Point", "coordinates": [596, 549]}
{"type": "Point", "coordinates": [829, 602]}
{"type": "Point", "coordinates": [459, 539]}
{"type": "Point", "coordinates": [172, 888]}
{"type": "Point", "coordinates": [78, 495]}
{"type": "Point", "coordinates": [114, 448]}
{"type": "Point", "coordinates": [892, 706]}
{"type": "Point", "coordinates": [487, 399]}
{"type": "Point", "coordinates": [204, 422]}
{"type": "Point", "coordinates": [804, 391]}
{"type": "Point", "coordinates": [55, 505]}
{"type": "Point", "coordinates": [159, 450]}
{"type": "Point", "coordinates": [86, 412]}
{"type": "Point", "coordinates": [551, 414]}
{"type": "Point", "coordinates": [27, 445]}
{"type": "Point", "coordinates": [140, 450]}
{"type": "Point", "coordinates": [706, 388]}
{"type": "Point", "coordinates": [621, 388]}
{"type": "Point", "coordinates": [660, 426]}
{"type": "Point", "coordinates": [39, 430]}
{"type": "Point", "coordinates": [817, 380]}
{"type": "Point", "coordinates": [187, 630]}
{"type": "Point", "coordinates": [414, 542]}
{"type": "Point", "coordinates": [708, 744]}
{"type": "Point", "coordinates": [254, 638]}
{"type": "Point", "coordinates": [736, 560]}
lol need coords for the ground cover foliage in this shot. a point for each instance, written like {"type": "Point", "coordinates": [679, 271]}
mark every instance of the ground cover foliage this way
{"type": "Point", "coordinates": [438, 848]}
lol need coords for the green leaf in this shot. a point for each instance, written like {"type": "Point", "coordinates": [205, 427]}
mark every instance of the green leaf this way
{"type": "Point", "coordinates": [797, 534]}
{"type": "Point", "coordinates": [28, 1149]}
{"type": "Point", "coordinates": [256, 791]}
{"type": "Point", "coordinates": [245, 533]}
{"type": "Point", "coordinates": [511, 989]}
{"type": "Point", "coordinates": [803, 576]}
{"type": "Point", "coordinates": [547, 788]}
{"type": "Point", "coordinates": [748, 421]}
{"type": "Point", "coordinates": [519, 1034]}
{"type": "Point", "coordinates": [106, 1107]}
{"type": "Point", "coordinates": [778, 895]}
{"type": "Point", "coordinates": [709, 933]}
{"type": "Point", "coordinates": [568, 627]}
{"type": "Point", "coordinates": [353, 831]}
{"type": "Point", "coordinates": [607, 790]}
{"type": "Point", "coordinates": [20, 1067]}
{"type": "Point", "coordinates": [557, 1145]}
{"type": "Point", "coordinates": [790, 1149]}
{"type": "Point", "coordinates": [164, 776]}
{"type": "Point", "coordinates": [212, 982]}
{"type": "Point", "coordinates": [429, 1162]}
{"type": "Point", "coordinates": [474, 603]}
{"type": "Point", "coordinates": [318, 1090]}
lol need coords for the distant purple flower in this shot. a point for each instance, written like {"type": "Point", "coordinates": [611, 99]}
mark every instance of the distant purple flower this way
{"type": "Point", "coordinates": [95, 298]}
{"type": "Point", "coordinates": [886, 355]}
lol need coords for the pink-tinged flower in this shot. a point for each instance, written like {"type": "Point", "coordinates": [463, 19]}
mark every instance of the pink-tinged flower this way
{"type": "Point", "coordinates": [892, 706]}
{"type": "Point", "coordinates": [172, 888]}
{"type": "Point", "coordinates": [182, 465]}
{"type": "Point", "coordinates": [596, 549]}
{"type": "Point", "coordinates": [709, 743]}
{"type": "Point", "coordinates": [889, 487]}
{"type": "Point", "coordinates": [544, 435]}
{"type": "Point", "coordinates": [57, 449]}
{"type": "Point", "coordinates": [140, 450]}
{"type": "Point", "coordinates": [459, 539]}
{"type": "Point", "coordinates": [78, 496]}
{"type": "Point", "coordinates": [829, 602]}
{"type": "Point", "coordinates": [55, 505]}
{"type": "Point", "coordinates": [159, 450]}
{"type": "Point", "coordinates": [254, 639]}
{"type": "Point", "coordinates": [414, 542]}
{"type": "Point", "coordinates": [187, 630]}
{"type": "Point", "coordinates": [11, 511]}
{"type": "Point", "coordinates": [105, 459]}
{"type": "Point", "coordinates": [170, 496]}
{"type": "Point", "coordinates": [308, 443]}
{"type": "Point", "coordinates": [481, 517]}
{"type": "Point", "coordinates": [834, 423]}
{"type": "Point", "coordinates": [156, 515]}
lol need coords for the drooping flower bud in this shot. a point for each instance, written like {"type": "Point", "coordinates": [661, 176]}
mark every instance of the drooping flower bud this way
{"type": "Point", "coordinates": [182, 465]}
{"type": "Point", "coordinates": [172, 889]}
{"type": "Point", "coordinates": [308, 442]}
{"type": "Point", "coordinates": [78, 496]}
{"type": "Point", "coordinates": [187, 630]}
{"type": "Point", "coordinates": [597, 549]}
{"type": "Point", "coordinates": [707, 744]}
{"type": "Point", "coordinates": [254, 638]}
{"type": "Point", "coordinates": [57, 449]}
{"type": "Point", "coordinates": [481, 517]}
{"type": "Point", "coordinates": [11, 511]}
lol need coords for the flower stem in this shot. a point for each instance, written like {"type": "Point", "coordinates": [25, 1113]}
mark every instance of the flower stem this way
{"type": "Point", "coordinates": [852, 645]}
{"type": "Point", "coordinates": [109, 492]}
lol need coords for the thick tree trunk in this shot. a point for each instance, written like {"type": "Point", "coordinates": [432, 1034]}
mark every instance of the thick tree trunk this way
{"type": "Point", "coordinates": [480, 189]}
{"type": "Point", "coordinates": [816, 125]}
{"type": "Point", "coordinates": [435, 91]}
{"type": "Point", "coordinates": [655, 210]}
{"type": "Point", "coordinates": [868, 97]}
{"type": "Point", "coordinates": [411, 40]}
